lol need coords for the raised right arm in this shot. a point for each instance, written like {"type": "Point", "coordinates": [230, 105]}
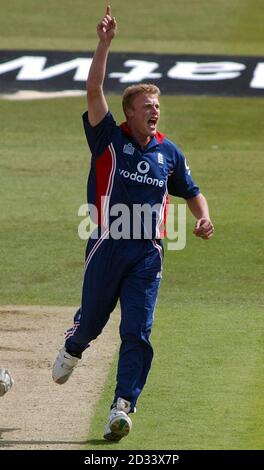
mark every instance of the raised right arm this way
{"type": "Point", "coordinates": [97, 105]}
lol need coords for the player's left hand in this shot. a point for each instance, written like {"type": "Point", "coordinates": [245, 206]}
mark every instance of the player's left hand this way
{"type": "Point", "coordinates": [107, 27]}
{"type": "Point", "coordinates": [204, 228]}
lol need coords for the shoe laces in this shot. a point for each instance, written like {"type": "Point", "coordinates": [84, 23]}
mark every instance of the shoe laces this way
{"type": "Point", "coordinates": [122, 405]}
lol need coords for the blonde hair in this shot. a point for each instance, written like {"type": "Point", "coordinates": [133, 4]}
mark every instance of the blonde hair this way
{"type": "Point", "coordinates": [132, 91]}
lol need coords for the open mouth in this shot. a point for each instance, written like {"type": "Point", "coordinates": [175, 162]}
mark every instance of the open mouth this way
{"type": "Point", "coordinates": [152, 123]}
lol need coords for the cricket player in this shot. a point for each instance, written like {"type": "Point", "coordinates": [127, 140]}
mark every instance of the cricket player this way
{"type": "Point", "coordinates": [133, 166]}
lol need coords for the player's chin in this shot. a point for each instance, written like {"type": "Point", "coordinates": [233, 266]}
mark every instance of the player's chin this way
{"type": "Point", "coordinates": [152, 131]}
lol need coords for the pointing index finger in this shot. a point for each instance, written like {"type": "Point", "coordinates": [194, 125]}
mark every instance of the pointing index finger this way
{"type": "Point", "coordinates": [108, 10]}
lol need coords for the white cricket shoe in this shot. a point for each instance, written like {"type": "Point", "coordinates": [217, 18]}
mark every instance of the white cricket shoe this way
{"type": "Point", "coordinates": [119, 424]}
{"type": "Point", "coordinates": [63, 366]}
{"type": "Point", "coordinates": [6, 381]}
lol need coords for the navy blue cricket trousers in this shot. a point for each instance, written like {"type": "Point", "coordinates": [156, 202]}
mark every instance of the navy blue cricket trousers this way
{"type": "Point", "coordinates": [129, 271]}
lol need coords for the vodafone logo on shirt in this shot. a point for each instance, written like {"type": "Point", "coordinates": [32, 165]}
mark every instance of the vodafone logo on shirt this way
{"type": "Point", "coordinates": [143, 167]}
{"type": "Point", "coordinates": [141, 175]}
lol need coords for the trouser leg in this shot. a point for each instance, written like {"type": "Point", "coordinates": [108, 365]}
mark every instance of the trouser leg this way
{"type": "Point", "coordinates": [99, 296]}
{"type": "Point", "coordinates": [138, 296]}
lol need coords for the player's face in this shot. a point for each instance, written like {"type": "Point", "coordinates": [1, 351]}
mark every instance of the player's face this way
{"type": "Point", "coordinates": [145, 113]}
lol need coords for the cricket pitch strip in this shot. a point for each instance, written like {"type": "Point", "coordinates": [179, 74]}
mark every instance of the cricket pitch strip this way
{"type": "Point", "coordinates": [37, 413]}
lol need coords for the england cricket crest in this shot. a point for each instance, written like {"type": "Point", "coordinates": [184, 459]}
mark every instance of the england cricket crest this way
{"type": "Point", "coordinates": [129, 149]}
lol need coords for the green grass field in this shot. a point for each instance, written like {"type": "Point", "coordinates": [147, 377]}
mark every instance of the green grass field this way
{"type": "Point", "coordinates": [200, 26]}
{"type": "Point", "coordinates": [205, 390]}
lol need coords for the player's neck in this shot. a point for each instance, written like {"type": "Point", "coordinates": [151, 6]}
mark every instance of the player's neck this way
{"type": "Point", "coordinates": [140, 137]}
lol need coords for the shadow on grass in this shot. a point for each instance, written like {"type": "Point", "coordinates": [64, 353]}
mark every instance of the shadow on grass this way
{"type": "Point", "coordinates": [100, 442]}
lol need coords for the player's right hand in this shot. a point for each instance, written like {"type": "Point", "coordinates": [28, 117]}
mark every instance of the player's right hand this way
{"type": "Point", "coordinates": [204, 228]}
{"type": "Point", "coordinates": [107, 27]}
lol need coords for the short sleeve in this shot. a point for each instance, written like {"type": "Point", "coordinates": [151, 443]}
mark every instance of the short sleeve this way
{"type": "Point", "coordinates": [180, 182]}
{"type": "Point", "coordinates": [99, 136]}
